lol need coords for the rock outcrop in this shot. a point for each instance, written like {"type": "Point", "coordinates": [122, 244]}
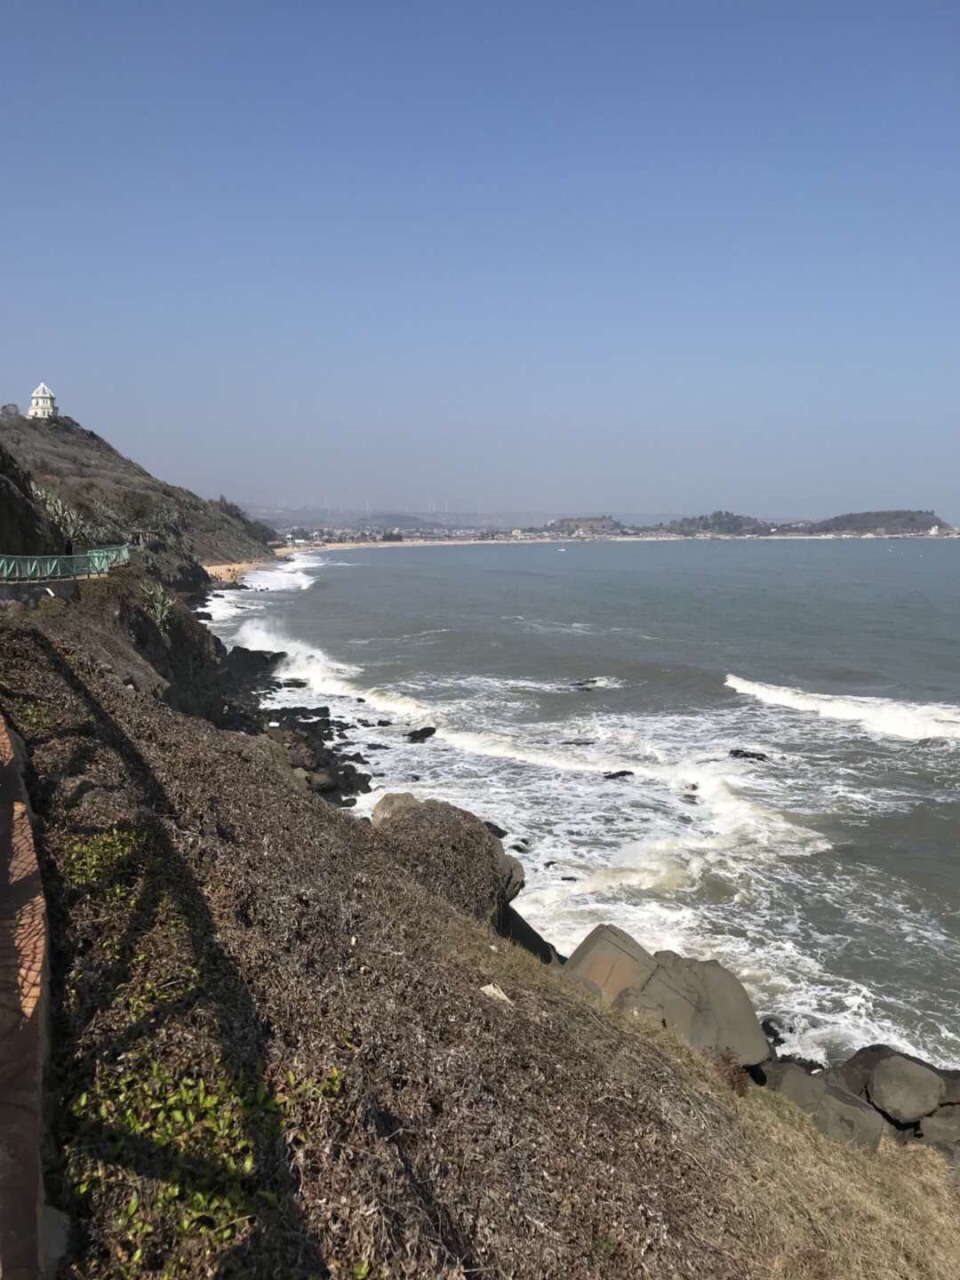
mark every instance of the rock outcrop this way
{"type": "Point", "coordinates": [905, 1091]}
{"type": "Point", "coordinates": [700, 1000]}
{"type": "Point", "coordinates": [451, 852]}
{"type": "Point", "coordinates": [835, 1111]}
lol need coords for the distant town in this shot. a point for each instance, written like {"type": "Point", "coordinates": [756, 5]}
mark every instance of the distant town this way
{"type": "Point", "coordinates": [717, 525]}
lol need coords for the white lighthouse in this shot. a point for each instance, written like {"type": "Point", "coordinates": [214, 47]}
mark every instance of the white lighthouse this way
{"type": "Point", "coordinates": [42, 403]}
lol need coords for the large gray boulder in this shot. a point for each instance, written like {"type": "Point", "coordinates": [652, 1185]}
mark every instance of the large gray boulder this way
{"type": "Point", "coordinates": [699, 1000]}
{"type": "Point", "coordinates": [834, 1111]}
{"type": "Point", "coordinates": [855, 1073]}
{"type": "Point", "coordinates": [942, 1126]}
{"type": "Point", "coordinates": [905, 1090]}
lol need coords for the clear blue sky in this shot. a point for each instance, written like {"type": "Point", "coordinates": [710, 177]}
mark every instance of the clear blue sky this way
{"type": "Point", "coordinates": [630, 256]}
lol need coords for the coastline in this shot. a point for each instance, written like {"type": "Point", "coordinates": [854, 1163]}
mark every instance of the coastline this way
{"type": "Point", "coordinates": [308, 548]}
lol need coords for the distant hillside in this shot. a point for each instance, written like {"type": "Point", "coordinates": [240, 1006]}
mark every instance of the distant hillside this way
{"type": "Point", "coordinates": [855, 522]}
{"type": "Point", "coordinates": [116, 499]}
{"type": "Point", "coordinates": [719, 522]}
{"type": "Point", "coordinates": [881, 522]}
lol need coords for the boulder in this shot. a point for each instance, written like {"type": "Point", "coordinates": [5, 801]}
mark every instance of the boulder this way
{"type": "Point", "coordinates": [699, 1000]}
{"type": "Point", "coordinates": [741, 753]}
{"type": "Point", "coordinates": [421, 735]}
{"type": "Point", "coordinates": [942, 1126]}
{"type": "Point", "coordinates": [451, 852]}
{"type": "Point", "coordinates": [904, 1090]}
{"type": "Point", "coordinates": [834, 1111]}
{"type": "Point", "coordinates": [854, 1074]}
{"type": "Point", "coordinates": [738, 1028]}
{"type": "Point", "coordinates": [514, 876]}
{"type": "Point", "coordinates": [672, 997]}
{"type": "Point", "coordinates": [392, 806]}
{"type": "Point", "coordinates": [609, 961]}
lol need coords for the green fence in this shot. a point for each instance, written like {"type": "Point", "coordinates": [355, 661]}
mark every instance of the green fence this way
{"type": "Point", "coordinates": [45, 568]}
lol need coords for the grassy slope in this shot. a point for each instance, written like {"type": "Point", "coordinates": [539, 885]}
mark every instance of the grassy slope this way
{"type": "Point", "coordinates": [272, 1056]}
{"type": "Point", "coordinates": [121, 496]}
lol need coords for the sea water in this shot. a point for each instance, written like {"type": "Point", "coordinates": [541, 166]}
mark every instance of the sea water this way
{"type": "Point", "coordinates": [826, 875]}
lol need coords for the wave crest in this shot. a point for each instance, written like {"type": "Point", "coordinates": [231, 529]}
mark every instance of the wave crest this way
{"type": "Point", "coordinates": [914, 721]}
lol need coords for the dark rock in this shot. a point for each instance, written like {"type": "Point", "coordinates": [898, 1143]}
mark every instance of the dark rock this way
{"type": "Point", "coordinates": [905, 1091]}
{"type": "Point", "coordinates": [495, 830]}
{"type": "Point", "coordinates": [294, 682]}
{"type": "Point", "coordinates": [773, 1029]}
{"type": "Point", "coordinates": [740, 753]}
{"type": "Point", "coordinates": [384, 724]}
{"type": "Point", "coordinates": [510, 924]}
{"type": "Point", "coordinates": [835, 1112]}
{"type": "Point", "coordinates": [578, 742]}
{"type": "Point", "coordinates": [421, 735]}
{"type": "Point", "coordinates": [943, 1125]}
{"type": "Point", "coordinates": [619, 773]}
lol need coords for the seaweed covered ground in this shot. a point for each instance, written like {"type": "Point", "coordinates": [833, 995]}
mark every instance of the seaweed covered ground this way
{"type": "Point", "coordinates": [272, 1055]}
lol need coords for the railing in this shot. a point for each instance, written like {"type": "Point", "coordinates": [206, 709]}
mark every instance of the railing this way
{"type": "Point", "coordinates": [45, 568]}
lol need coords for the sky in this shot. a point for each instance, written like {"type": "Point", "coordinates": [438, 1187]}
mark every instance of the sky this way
{"type": "Point", "coordinates": [561, 256]}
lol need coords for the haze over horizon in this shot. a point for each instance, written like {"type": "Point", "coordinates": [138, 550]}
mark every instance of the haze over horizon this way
{"type": "Point", "coordinates": [561, 258]}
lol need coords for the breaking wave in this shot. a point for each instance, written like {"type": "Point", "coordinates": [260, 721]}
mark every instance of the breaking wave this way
{"type": "Point", "coordinates": [915, 721]}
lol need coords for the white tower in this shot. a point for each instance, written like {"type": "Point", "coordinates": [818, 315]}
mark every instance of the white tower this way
{"type": "Point", "coordinates": [42, 403]}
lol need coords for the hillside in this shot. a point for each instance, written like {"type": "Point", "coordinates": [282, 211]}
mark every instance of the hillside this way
{"type": "Point", "coordinates": [728, 524]}
{"type": "Point", "coordinates": [881, 522]}
{"type": "Point", "coordinates": [117, 499]}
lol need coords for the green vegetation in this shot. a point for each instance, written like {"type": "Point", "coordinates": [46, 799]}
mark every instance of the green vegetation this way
{"type": "Point", "coordinates": [107, 861]}
{"type": "Point", "coordinates": [159, 603]}
{"type": "Point", "coordinates": [880, 522]}
{"type": "Point", "coordinates": [71, 524]}
{"type": "Point", "coordinates": [725, 522]}
{"type": "Point", "coordinates": [728, 524]}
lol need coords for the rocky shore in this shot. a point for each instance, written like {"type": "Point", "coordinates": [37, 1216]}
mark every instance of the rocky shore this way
{"type": "Point", "coordinates": [288, 1041]}
{"type": "Point", "coordinates": [877, 1091]}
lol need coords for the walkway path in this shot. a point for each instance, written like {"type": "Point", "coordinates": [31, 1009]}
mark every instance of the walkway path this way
{"type": "Point", "coordinates": [23, 950]}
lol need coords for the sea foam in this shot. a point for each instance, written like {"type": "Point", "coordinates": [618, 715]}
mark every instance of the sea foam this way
{"type": "Point", "coordinates": [915, 721]}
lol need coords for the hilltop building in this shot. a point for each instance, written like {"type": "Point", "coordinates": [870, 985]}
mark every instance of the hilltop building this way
{"type": "Point", "coordinates": [42, 403]}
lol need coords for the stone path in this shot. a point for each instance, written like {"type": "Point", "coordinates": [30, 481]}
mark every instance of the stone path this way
{"type": "Point", "coordinates": [23, 951]}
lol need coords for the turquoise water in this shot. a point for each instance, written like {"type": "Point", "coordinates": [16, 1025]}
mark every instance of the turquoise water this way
{"type": "Point", "coordinates": [826, 875]}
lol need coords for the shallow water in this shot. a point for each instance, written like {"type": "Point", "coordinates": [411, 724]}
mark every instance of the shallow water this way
{"type": "Point", "coordinates": [825, 876]}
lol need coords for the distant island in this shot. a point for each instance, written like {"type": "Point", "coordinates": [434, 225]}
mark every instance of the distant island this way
{"type": "Point", "coordinates": [852, 523]}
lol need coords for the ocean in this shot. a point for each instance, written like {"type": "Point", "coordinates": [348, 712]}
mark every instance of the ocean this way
{"type": "Point", "coordinates": [826, 875]}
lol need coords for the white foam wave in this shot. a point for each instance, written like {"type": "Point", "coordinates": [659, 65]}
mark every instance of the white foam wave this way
{"type": "Point", "coordinates": [886, 717]}
{"type": "Point", "coordinates": [303, 661]}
